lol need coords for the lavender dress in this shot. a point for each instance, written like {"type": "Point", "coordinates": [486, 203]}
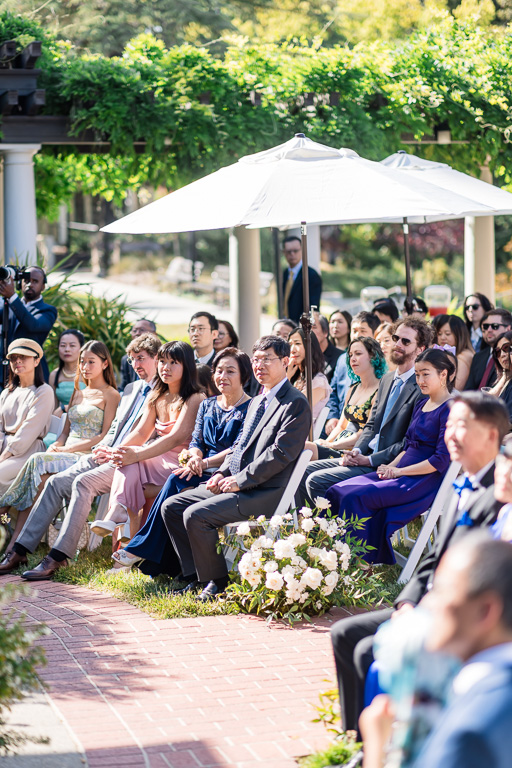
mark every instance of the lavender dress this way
{"type": "Point", "coordinates": [390, 504]}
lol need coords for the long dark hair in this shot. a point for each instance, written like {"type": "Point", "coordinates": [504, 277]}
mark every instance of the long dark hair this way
{"type": "Point", "coordinates": [348, 318]}
{"type": "Point", "coordinates": [179, 352]}
{"type": "Point", "coordinates": [235, 341]}
{"type": "Point", "coordinates": [441, 361]}
{"type": "Point", "coordinates": [484, 301]}
{"type": "Point", "coordinates": [317, 358]}
{"type": "Point", "coordinates": [99, 349]}
{"type": "Point", "coordinates": [14, 379]}
{"type": "Point", "coordinates": [499, 368]}
{"type": "Point", "coordinates": [81, 340]}
{"type": "Point", "coordinates": [459, 330]}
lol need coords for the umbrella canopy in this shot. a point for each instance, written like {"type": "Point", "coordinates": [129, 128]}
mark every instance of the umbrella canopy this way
{"type": "Point", "coordinates": [445, 177]}
{"type": "Point", "coordinates": [300, 180]}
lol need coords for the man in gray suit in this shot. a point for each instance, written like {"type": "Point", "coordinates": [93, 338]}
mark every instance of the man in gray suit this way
{"type": "Point", "coordinates": [89, 477]}
{"type": "Point", "coordinates": [251, 479]}
{"type": "Point", "coordinates": [384, 434]}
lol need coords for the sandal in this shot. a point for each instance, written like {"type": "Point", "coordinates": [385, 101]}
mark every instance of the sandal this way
{"type": "Point", "coordinates": [125, 559]}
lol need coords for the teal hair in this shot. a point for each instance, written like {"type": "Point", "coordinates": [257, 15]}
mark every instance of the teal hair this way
{"type": "Point", "coordinates": [377, 358]}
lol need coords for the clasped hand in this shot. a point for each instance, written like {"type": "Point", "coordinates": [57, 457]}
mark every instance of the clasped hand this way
{"type": "Point", "coordinates": [220, 484]}
{"type": "Point", "coordinates": [194, 466]}
{"type": "Point", "coordinates": [387, 472]}
{"type": "Point", "coordinates": [123, 456]}
{"type": "Point", "coordinates": [56, 448]}
{"type": "Point", "coordinates": [355, 459]}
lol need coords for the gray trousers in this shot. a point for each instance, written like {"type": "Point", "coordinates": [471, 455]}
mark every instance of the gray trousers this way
{"type": "Point", "coordinates": [192, 519]}
{"type": "Point", "coordinates": [321, 475]}
{"type": "Point", "coordinates": [80, 483]}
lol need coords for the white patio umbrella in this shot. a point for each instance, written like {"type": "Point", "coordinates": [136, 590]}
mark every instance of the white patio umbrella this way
{"type": "Point", "coordinates": [486, 199]}
{"type": "Point", "coordinates": [297, 182]}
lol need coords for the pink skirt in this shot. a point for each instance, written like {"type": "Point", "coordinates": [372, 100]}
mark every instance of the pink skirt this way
{"type": "Point", "coordinates": [129, 482]}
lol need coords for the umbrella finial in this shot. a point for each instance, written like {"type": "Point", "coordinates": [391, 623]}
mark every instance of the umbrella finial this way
{"type": "Point", "coordinates": [300, 135]}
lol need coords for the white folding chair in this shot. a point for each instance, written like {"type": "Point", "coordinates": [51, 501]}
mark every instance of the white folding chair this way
{"type": "Point", "coordinates": [430, 519]}
{"type": "Point", "coordinates": [57, 424]}
{"type": "Point", "coordinates": [287, 501]}
{"type": "Point", "coordinates": [320, 422]}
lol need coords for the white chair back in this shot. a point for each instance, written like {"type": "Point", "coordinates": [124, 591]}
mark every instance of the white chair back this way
{"type": "Point", "coordinates": [320, 422]}
{"type": "Point", "coordinates": [57, 424]}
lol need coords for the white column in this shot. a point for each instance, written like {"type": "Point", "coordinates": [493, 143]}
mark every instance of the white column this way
{"type": "Point", "coordinates": [244, 274]}
{"type": "Point", "coordinates": [479, 251]}
{"type": "Point", "coordinates": [19, 202]}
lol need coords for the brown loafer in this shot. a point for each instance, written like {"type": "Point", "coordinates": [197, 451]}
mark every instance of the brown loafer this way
{"type": "Point", "coordinates": [44, 570]}
{"type": "Point", "coordinates": [11, 560]}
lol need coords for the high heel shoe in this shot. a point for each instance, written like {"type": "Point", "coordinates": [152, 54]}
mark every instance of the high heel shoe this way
{"type": "Point", "coordinates": [124, 530]}
{"type": "Point", "coordinates": [125, 559]}
{"type": "Point", "coordinates": [103, 527]}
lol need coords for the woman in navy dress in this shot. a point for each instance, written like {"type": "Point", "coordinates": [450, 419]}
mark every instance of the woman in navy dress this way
{"type": "Point", "coordinates": [399, 492]}
{"type": "Point", "coordinates": [218, 424]}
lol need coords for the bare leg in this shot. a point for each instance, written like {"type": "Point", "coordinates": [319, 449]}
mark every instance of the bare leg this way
{"type": "Point", "coordinates": [312, 447]}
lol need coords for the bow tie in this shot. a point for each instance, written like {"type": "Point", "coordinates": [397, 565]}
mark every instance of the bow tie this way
{"type": "Point", "coordinates": [463, 483]}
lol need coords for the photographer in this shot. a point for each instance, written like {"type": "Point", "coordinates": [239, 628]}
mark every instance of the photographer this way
{"type": "Point", "coordinates": [29, 316]}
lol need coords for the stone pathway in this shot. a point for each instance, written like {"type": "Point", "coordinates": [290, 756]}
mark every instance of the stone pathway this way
{"type": "Point", "coordinates": [183, 693]}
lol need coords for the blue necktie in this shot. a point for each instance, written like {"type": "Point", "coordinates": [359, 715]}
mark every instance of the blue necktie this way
{"type": "Point", "coordinates": [462, 484]}
{"type": "Point", "coordinates": [393, 397]}
{"type": "Point", "coordinates": [134, 415]}
{"type": "Point", "coordinates": [249, 427]}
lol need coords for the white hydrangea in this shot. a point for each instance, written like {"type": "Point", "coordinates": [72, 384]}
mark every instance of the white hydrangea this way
{"type": "Point", "coordinates": [276, 521]}
{"type": "Point", "coordinates": [297, 539]}
{"type": "Point", "coordinates": [321, 503]}
{"type": "Point", "coordinates": [283, 549]}
{"type": "Point", "coordinates": [307, 524]}
{"type": "Point", "coordinates": [329, 559]}
{"type": "Point", "coordinates": [270, 566]}
{"type": "Point", "coordinates": [306, 512]}
{"type": "Point", "coordinates": [312, 577]}
{"type": "Point", "coordinates": [243, 529]}
{"type": "Point", "coordinates": [274, 581]}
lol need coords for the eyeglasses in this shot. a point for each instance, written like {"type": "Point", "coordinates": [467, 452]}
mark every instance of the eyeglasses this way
{"type": "Point", "coordinates": [134, 360]}
{"type": "Point", "coordinates": [404, 341]}
{"type": "Point", "coordinates": [263, 361]}
{"type": "Point", "coordinates": [198, 329]}
{"type": "Point", "coordinates": [504, 350]}
{"type": "Point", "coordinates": [494, 326]}
{"type": "Point", "coordinates": [472, 306]}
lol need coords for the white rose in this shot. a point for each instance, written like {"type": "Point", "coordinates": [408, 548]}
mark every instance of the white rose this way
{"type": "Point", "coordinates": [312, 577]}
{"type": "Point", "coordinates": [283, 549]}
{"type": "Point", "coordinates": [262, 542]}
{"type": "Point", "coordinates": [276, 521]}
{"type": "Point", "coordinates": [299, 562]}
{"type": "Point", "coordinates": [314, 552]}
{"type": "Point", "coordinates": [243, 529]}
{"type": "Point", "coordinates": [322, 522]}
{"type": "Point", "coordinates": [306, 512]}
{"type": "Point", "coordinates": [261, 519]}
{"type": "Point", "coordinates": [344, 562]}
{"type": "Point", "coordinates": [254, 579]}
{"type": "Point", "coordinates": [274, 581]}
{"type": "Point", "coordinates": [288, 516]}
{"type": "Point", "coordinates": [332, 528]}
{"type": "Point", "coordinates": [327, 590]}
{"type": "Point", "coordinates": [270, 566]}
{"type": "Point", "coordinates": [288, 572]}
{"type": "Point", "coordinates": [303, 598]}
{"type": "Point", "coordinates": [321, 503]}
{"type": "Point", "coordinates": [297, 539]}
{"type": "Point", "coordinates": [331, 579]}
{"type": "Point", "coordinates": [318, 605]}
{"type": "Point", "coordinates": [307, 524]}
{"type": "Point", "coordinates": [329, 559]}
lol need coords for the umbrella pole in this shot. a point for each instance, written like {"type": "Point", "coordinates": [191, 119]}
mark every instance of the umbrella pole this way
{"type": "Point", "coordinates": [408, 279]}
{"type": "Point", "coordinates": [277, 271]}
{"type": "Point", "coordinates": [305, 318]}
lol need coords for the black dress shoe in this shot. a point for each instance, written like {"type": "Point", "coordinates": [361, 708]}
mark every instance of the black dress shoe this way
{"type": "Point", "coordinates": [210, 592]}
{"type": "Point", "coordinates": [45, 569]}
{"type": "Point", "coordinates": [10, 561]}
{"type": "Point", "coordinates": [190, 587]}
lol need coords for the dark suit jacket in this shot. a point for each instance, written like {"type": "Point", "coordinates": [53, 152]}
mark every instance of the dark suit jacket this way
{"type": "Point", "coordinates": [128, 375]}
{"type": "Point", "coordinates": [273, 449]}
{"type": "Point", "coordinates": [209, 361]}
{"type": "Point", "coordinates": [34, 322]}
{"type": "Point", "coordinates": [476, 371]}
{"type": "Point", "coordinates": [392, 433]}
{"type": "Point", "coordinates": [483, 510]}
{"type": "Point", "coordinates": [476, 728]}
{"type": "Point", "coordinates": [296, 299]}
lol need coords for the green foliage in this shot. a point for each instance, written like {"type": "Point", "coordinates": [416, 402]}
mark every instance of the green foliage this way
{"type": "Point", "coordinates": [19, 658]}
{"type": "Point", "coordinates": [338, 753]}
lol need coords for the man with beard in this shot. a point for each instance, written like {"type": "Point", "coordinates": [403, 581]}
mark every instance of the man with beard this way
{"type": "Point", "coordinates": [384, 434]}
{"type": "Point", "coordinates": [30, 317]}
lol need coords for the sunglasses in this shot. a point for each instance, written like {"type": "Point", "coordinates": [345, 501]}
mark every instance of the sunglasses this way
{"type": "Point", "coordinates": [494, 326]}
{"type": "Point", "coordinates": [504, 350]}
{"type": "Point", "coordinates": [404, 341]}
{"type": "Point", "coordinates": [472, 306]}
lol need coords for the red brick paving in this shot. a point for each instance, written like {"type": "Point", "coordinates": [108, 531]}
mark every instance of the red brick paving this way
{"type": "Point", "coordinates": [216, 691]}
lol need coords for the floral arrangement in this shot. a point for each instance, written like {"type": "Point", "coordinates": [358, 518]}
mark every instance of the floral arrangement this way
{"type": "Point", "coordinates": [293, 571]}
{"type": "Point", "coordinates": [184, 457]}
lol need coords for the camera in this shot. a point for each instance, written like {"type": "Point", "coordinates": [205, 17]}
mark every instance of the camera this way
{"type": "Point", "coordinates": [10, 272]}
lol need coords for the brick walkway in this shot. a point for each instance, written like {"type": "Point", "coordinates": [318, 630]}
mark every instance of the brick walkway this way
{"type": "Point", "coordinates": [183, 693]}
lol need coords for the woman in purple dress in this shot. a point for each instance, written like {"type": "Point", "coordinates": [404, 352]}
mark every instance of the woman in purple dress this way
{"type": "Point", "coordinates": [398, 492]}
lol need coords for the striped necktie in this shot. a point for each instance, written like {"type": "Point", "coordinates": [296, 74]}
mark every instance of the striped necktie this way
{"type": "Point", "coordinates": [249, 427]}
